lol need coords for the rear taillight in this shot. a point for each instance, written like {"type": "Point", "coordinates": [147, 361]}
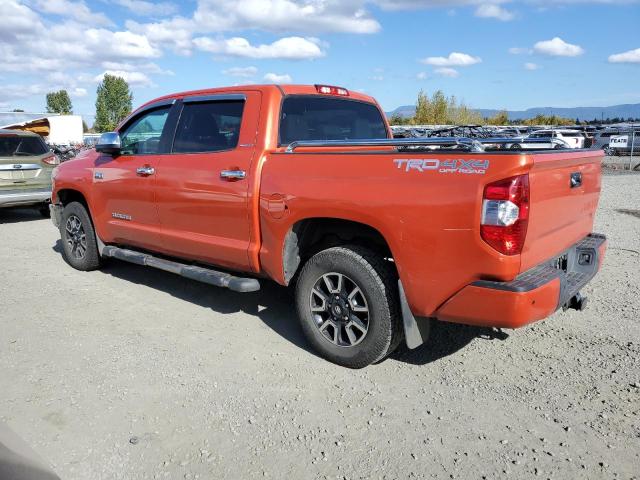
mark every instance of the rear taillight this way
{"type": "Point", "coordinates": [331, 90]}
{"type": "Point", "coordinates": [51, 160]}
{"type": "Point", "coordinates": [505, 214]}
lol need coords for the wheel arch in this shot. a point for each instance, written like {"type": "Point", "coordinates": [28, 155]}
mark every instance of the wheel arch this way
{"type": "Point", "coordinates": [308, 236]}
{"type": "Point", "coordinates": [68, 195]}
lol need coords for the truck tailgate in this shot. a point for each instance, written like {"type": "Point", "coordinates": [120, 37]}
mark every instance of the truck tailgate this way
{"type": "Point", "coordinates": [562, 211]}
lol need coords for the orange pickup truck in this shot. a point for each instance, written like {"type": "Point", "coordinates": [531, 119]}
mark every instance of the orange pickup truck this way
{"type": "Point", "coordinates": [305, 185]}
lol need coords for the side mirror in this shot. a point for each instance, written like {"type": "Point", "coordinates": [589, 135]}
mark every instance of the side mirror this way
{"type": "Point", "coordinates": [109, 143]}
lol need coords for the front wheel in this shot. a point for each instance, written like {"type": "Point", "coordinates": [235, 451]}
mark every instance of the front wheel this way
{"type": "Point", "coordinates": [348, 305]}
{"type": "Point", "coordinates": [79, 246]}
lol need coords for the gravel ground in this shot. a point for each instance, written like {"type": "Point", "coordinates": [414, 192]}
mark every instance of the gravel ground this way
{"type": "Point", "coordinates": [130, 373]}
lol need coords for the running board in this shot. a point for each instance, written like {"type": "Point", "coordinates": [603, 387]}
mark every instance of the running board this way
{"type": "Point", "coordinates": [200, 274]}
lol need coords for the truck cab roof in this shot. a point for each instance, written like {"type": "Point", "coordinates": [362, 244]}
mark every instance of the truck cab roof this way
{"type": "Point", "coordinates": [271, 89]}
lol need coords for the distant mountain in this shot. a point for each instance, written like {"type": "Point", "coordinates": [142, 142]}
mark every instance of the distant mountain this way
{"type": "Point", "coordinates": [581, 113]}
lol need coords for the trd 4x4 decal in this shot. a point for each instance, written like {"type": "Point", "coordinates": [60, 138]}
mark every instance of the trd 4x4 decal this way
{"type": "Point", "coordinates": [442, 166]}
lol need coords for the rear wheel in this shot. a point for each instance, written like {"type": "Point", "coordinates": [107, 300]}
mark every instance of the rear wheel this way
{"type": "Point", "coordinates": [348, 305]}
{"type": "Point", "coordinates": [79, 247]}
{"type": "Point", "coordinates": [516, 146]}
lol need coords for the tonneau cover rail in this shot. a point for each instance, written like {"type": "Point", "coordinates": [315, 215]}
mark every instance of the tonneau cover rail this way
{"type": "Point", "coordinates": [471, 144]}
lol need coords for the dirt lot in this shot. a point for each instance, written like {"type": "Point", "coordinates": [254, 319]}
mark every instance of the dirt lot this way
{"type": "Point", "coordinates": [132, 373]}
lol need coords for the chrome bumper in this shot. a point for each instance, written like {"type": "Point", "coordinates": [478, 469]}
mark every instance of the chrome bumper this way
{"type": "Point", "coordinates": [10, 198]}
{"type": "Point", "coordinates": [56, 214]}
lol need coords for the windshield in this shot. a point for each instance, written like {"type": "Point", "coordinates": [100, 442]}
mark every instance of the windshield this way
{"type": "Point", "coordinates": [19, 146]}
{"type": "Point", "coordinates": [326, 118]}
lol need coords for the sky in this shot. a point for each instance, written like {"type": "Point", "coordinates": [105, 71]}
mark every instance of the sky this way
{"type": "Point", "coordinates": [491, 54]}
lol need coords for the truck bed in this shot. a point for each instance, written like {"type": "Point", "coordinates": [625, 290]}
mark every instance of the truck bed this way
{"type": "Point", "coordinates": [427, 205]}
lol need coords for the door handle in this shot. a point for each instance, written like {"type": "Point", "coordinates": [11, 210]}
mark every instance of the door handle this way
{"type": "Point", "coordinates": [233, 174]}
{"type": "Point", "coordinates": [145, 171]}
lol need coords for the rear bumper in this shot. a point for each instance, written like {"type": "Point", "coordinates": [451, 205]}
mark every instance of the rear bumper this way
{"type": "Point", "coordinates": [533, 295]}
{"type": "Point", "coordinates": [10, 198]}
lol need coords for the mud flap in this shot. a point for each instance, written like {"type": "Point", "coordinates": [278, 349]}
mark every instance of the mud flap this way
{"type": "Point", "coordinates": [416, 330]}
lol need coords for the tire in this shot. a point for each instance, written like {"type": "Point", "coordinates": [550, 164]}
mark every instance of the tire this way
{"type": "Point", "coordinates": [516, 146]}
{"type": "Point", "coordinates": [79, 247]}
{"type": "Point", "coordinates": [368, 283]}
{"type": "Point", "coordinates": [558, 147]}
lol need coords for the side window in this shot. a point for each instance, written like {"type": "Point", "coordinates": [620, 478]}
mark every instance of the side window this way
{"type": "Point", "coordinates": [208, 126]}
{"type": "Point", "coordinates": [143, 135]}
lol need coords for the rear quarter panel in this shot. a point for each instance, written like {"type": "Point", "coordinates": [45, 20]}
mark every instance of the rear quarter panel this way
{"type": "Point", "coordinates": [429, 218]}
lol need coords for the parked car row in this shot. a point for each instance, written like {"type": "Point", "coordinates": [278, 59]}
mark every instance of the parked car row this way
{"type": "Point", "coordinates": [536, 137]}
{"type": "Point", "coordinates": [631, 139]}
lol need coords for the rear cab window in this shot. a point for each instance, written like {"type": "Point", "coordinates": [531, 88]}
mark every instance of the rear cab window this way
{"type": "Point", "coordinates": [22, 146]}
{"type": "Point", "coordinates": [316, 117]}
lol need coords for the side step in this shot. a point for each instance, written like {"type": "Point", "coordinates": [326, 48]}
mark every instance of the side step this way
{"type": "Point", "coordinates": [205, 275]}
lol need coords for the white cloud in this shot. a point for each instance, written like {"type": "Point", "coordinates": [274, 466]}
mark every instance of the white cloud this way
{"type": "Point", "coordinates": [147, 67]}
{"type": "Point", "coordinates": [531, 66]}
{"type": "Point", "coordinates": [422, 75]}
{"type": "Point", "coordinates": [275, 78]}
{"type": "Point", "coordinates": [145, 8]}
{"type": "Point", "coordinates": [291, 48]}
{"type": "Point", "coordinates": [377, 78]}
{"type": "Point", "coordinates": [558, 48]}
{"type": "Point", "coordinates": [492, 10]}
{"type": "Point", "coordinates": [447, 72]}
{"type": "Point", "coordinates": [76, 10]}
{"type": "Point", "coordinates": [518, 50]}
{"type": "Point", "coordinates": [455, 59]}
{"type": "Point", "coordinates": [123, 45]}
{"type": "Point", "coordinates": [278, 16]}
{"type": "Point", "coordinates": [175, 33]}
{"type": "Point", "coordinates": [632, 56]}
{"type": "Point", "coordinates": [424, 4]}
{"type": "Point", "coordinates": [17, 19]}
{"type": "Point", "coordinates": [243, 72]}
{"type": "Point", "coordinates": [132, 78]}
{"type": "Point", "coordinates": [79, 92]}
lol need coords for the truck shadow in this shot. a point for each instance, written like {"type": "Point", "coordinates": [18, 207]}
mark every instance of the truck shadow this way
{"type": "Point", "coordinates": [274, 305]}
{"type": "Point", "coordinates": [19, 214]}
{"type": "Point", "coordinates": [445, 339]}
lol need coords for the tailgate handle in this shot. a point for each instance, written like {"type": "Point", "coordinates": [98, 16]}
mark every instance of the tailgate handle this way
{"type": "Point", "coordinates": [575, 179]}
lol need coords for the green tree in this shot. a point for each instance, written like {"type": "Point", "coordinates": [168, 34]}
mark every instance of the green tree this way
{"type": "Point", "coordinates": [17, 110]}
{"type": "Point", "coordinates": [441, 107]}
{"type": "Point", "coordinates": [541, 119]}
{"type": "Point", "coordinates": [424, 110]}
{"type": "Point", "coordinates": [113, 103]}
{"type": "Point", "coordinates": [59, 102]}
{"type": "Point", "coordinates": [397, 119]}
{"type": "Point", "coordinates": [500, 118]}
{"type": "Point", "coordinates": [443, 110]}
